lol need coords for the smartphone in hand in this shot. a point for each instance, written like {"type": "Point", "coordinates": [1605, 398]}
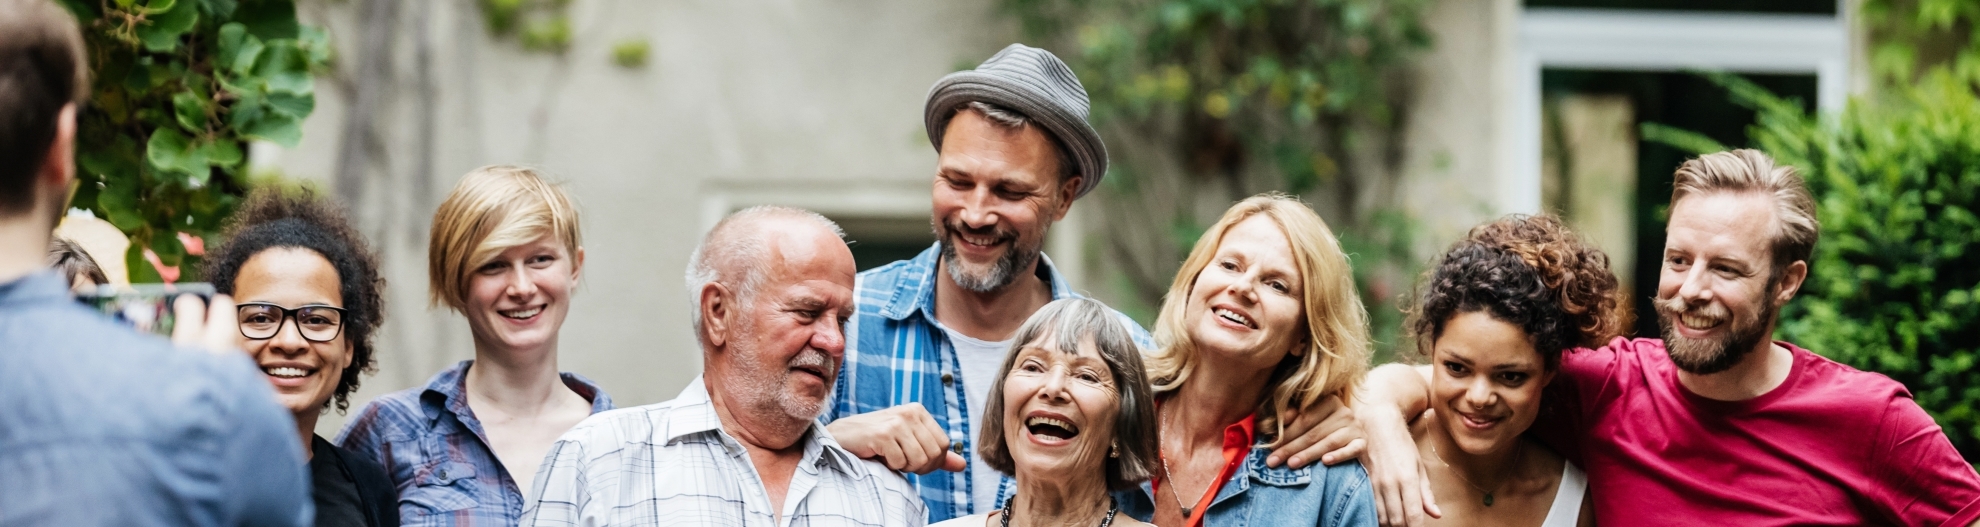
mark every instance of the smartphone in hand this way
{"type": "Point", "coordinates": [145, 307]}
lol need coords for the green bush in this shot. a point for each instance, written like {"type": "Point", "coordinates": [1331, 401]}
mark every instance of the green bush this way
{"type": "Point", "coordinates": [179, 87]}
{"type": "Point", "coordinates": [1894, 285]}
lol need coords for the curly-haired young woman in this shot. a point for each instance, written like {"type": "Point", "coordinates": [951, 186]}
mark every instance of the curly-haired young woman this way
{"type": "Point", "coordinates": [309, 294]}
{"type": "Point", "coordinates": [1493, 318]}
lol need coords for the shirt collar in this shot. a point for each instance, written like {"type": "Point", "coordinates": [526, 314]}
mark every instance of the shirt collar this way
{"type": "Point", "coordinates": [447, 391]}
{"type": "Point", "coordinates": [694, 413]}
{"type": "Point", "coordinates": [36, 287]}
{"type": "Point", "coordinates": [916, 290]}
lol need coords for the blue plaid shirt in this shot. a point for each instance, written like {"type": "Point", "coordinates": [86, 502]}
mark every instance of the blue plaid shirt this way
{"type": "Point", "coordinates": [437, 454]}
{"type": "Point", "coordinates": [896, 353]}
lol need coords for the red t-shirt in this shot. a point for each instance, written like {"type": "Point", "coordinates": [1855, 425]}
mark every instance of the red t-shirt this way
{"type": "Point", "coordinates": [1832, 445]}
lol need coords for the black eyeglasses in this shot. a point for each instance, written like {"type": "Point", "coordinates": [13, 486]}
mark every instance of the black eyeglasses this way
{"type": "Point", "coordinates": [316, 322]}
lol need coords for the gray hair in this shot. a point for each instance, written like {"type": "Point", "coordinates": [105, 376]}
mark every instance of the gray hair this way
{"type": "Point", "coordinates": [732, 254]}
{"type": "Point", "coordinates": [1060, 326]}
{"type": "Point", "coordinates": [1011, 119]}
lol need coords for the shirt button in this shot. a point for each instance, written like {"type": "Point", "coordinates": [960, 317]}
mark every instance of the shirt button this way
{"type": "Point", "coordinates": [443, 473]}
{"type": "Point", "coordinates": [948, 379]}
{"type": "Point", "coordinates": [956, 441]}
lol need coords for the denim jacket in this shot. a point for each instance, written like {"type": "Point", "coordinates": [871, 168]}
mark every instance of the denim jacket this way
{"type": "Point", "coordinates": [1258, 495]}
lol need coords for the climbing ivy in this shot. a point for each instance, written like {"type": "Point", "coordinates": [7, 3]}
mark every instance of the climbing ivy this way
{"type": "Point", "coordinates": [179, 89]}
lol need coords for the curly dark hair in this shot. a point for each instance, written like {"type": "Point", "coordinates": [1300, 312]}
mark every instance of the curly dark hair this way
{"type": "Point", "coordinates": [273, 219]}
{"type": "Point", "coordinates": [1528, 271]}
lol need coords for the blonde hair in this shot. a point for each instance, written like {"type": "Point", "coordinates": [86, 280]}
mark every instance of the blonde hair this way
{"type": "Point", "coordinates": [1336, 322]}
{"type": "Point", "coordinates": [492, 209]}
{"type": "Point", "coordinates": [1752, 171]}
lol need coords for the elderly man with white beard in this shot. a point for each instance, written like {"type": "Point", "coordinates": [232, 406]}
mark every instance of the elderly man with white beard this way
{"type": "Point", "coordinates": [771, 288]}
{"type": "Point", "coordinates": [1718, 424]}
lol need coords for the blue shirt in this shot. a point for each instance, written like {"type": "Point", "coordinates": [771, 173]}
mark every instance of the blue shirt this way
{"type": "Point", "coordinates": [1258, 495]}
{"type": "Point", "coordinates": [102, 425]}
{"type": "Point", "coordinates": [896, 353]}
{"type": "Point", "coordinates": [437, 454]}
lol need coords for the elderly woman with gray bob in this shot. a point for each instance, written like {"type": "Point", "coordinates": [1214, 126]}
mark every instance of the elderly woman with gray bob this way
{"type": "Point", "coordinates": [1071, 420]}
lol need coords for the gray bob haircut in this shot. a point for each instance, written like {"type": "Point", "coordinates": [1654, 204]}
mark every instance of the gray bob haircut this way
{"type": "Point", "coordinates": [733, 253]}
{"type": "Point", "coordinates": [1060, 326]}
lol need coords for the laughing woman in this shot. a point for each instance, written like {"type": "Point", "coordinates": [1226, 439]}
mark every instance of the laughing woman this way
{"type": "Point", "coordinates": [1263, 317]}
{"type": "Point", "coordinates": [1071, 421]}
{"type": "Point", "coordinates": [309, 304]}
{"type": "Point", "coordinates": [504, 253]}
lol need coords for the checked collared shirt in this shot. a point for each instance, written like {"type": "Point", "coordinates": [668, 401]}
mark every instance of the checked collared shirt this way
{"type": "Point", "coordinates": [897, 353]}
{"type": "Point", "coordinates": [671, 463]}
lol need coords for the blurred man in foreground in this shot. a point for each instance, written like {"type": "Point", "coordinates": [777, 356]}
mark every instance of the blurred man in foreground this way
{"type": "Point", "coordinates": [101, 425]}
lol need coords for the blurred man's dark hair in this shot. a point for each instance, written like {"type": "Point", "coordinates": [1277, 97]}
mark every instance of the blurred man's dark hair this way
{"type": "Point", "coordinates": [41, 70]}
{"type": "Point", "coordinates": [72, 261]}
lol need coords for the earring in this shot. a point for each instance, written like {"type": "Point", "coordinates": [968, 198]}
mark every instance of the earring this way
{"type": "Point", "coordinates": [1114, 450]}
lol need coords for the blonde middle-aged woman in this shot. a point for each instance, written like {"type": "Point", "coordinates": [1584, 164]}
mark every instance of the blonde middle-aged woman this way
{"type": "Point", "coordinates": [505, 254]}
{"type": "Point", "coordinates": [1263, 317]}
{"type": "Point", "coordinates": [1071, 421]}
{"type": "Point", "coordinates": [1494, 317]}
{"type": "Point", "coordinates": [309, 302]}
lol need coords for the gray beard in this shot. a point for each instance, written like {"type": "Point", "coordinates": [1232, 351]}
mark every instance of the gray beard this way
{"type": "Point", "coordinates": [1001, 273]}
{"type": "Point", "coordinates": [1709, 356]}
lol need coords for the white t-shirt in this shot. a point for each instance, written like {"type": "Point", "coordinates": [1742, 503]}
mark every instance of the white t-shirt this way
{"type": "Point", "coordinates": [980, 361]}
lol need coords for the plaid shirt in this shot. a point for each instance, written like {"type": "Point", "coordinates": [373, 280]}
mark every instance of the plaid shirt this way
{"type": "Point", "coordinates": [896, 353]}
{"type": "Point", "coordinates": [672, 464]}
{"type": "Point", "coordinates": [436, 452]}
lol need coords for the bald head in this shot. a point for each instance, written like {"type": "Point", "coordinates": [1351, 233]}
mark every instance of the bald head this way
{"type": "Point", "coordinates": [746, 248]}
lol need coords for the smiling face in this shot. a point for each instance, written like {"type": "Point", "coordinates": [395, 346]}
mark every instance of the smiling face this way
{"type": "Point", "coordinates": [1246, 305]}
{"type": "Point", "coordinates": [783, 357]}
{"type": "Point", "coordinates": [997, 191]}
{"type": "Point", "coordinates": [1059, 411]}
{"type": "Point", "coordinates": [1486, 382]}
{"type": "Point", "coordinates": [517, 301]}
{"type": "Point", "coordinates": [1714, 298]}
{"type": "Point", "coordinates": [305, 374]}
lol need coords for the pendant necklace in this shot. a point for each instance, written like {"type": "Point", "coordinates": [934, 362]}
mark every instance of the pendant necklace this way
{"type": "Point", "coordinates": [1112, 508]}
{"type": "Point", "coordinates": [1460, 474]}
{"type": "Point", "coordinates": [1175, 488]}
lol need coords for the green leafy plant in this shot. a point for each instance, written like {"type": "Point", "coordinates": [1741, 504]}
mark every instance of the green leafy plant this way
{"type": "Point", "coordinates": [1222, 99]}
{"type": "Point", "coordinates": [179, 89]}
{"type": "Point", "coordinates": [1894, 285]}
{"type": "Point", "coordinates": [541, 25]}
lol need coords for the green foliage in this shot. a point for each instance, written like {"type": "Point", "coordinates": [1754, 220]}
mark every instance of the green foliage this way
{"type": "Point", "coordinates": [179, 88]}
{"type": "Point", "coordinates": [1911, 36]}
{"type": "Point", "coordinates": [631, 53]}
{"type": "Point", "coordinates": [1894, 284]}
{"type": "Point", "coordinates": [540, 25]}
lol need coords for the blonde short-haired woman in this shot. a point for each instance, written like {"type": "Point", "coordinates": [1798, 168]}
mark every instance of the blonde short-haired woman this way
{"type": "Point", "coordinates": [1263, 317]}
{"type": "Point", "coordinates": [505, 254]}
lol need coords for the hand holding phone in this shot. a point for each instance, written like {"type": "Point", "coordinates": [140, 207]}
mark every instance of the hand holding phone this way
{"type": "Point", "coordinates": [217, 329]}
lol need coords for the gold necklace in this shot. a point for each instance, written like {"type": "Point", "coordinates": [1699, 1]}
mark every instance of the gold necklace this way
{"type": "Point", "coordinates": [1467, 481]}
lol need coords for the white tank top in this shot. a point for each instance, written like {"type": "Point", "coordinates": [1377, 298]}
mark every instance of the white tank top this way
{"type": "Point", "coordinates": [1566, 511]}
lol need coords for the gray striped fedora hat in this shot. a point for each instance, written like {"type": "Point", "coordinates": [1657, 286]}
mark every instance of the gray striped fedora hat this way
{"type": "Point", "coordinates": [1032, 82]}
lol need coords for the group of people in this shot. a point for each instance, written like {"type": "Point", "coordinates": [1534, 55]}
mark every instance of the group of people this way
{"type": "Point", "coordinates": [969, 385]}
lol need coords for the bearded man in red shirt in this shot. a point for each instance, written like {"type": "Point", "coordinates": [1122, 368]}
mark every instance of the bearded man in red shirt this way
{"type": "Point", "coordinates": [1718, 424]}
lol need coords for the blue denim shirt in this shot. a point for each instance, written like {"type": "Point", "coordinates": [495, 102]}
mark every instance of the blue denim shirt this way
{"type": "Point", "coordinates": [897, 353]}
{"type": "Point", "coordinates": [1258, 495]}
{"type": "Point", "coordinates": [102, 425]}
{"type": "Point", "coordinates": [436, 452]}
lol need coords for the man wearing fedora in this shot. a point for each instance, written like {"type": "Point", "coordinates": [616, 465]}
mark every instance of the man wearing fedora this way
{"type": "Point", "coordinates": [928, 334]}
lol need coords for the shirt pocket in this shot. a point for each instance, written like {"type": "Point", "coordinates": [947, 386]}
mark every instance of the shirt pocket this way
{"type": "Point", "coordinates": [441, 488]}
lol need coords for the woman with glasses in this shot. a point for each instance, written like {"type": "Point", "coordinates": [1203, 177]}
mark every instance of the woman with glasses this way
{"type": "Point", "coordinates": [309, 302]}
{"type": "Point", "coordinates": [504, 254]}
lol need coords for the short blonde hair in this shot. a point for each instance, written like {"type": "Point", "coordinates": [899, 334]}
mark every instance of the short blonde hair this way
{"type": "Point", "coordinates": [492, 209]}
{"type": "Point", "coordinates": [1752, 171]}
{"type": "Point", "coordinates": [1336, 322]}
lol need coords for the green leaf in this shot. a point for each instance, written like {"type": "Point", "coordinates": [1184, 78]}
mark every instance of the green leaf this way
{"type": "Point", "coordinates": [298, 106]}
{"type": "Point", "coordinates": [282, 68]}
{"type": "Point", "coordinates": [268, 19]}
{"type": "Point", "coordinates": [154, 7]}
{"type": "Point", "coordinates": [190, 111]}
{"type": "Point", "coordinates": [172, 152]}
{"type": "Point", "coordinates": [120, 203]}
{"type": "Point", "coordinates": [276, 127]}
{"type": "Point", "coordinates": [223, 153]}
{"type": "Point", "coordinates": [1686, 140]}
{"type": "Point", "coordinates": [161, 31]}
{"type": "Point", "coordinates": [165, 243]}
{"type": "Point", "coordinates": [140, 269]}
